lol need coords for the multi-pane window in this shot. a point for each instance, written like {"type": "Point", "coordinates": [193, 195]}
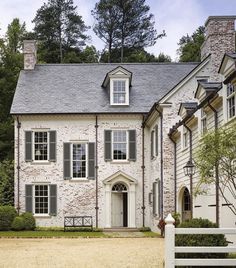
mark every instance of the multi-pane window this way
{"type": "Point", "coordinates": [119, 145]}
{"type": "Point", "coordinates": [41, 199]}
{"type": "Point", "coordinates": [185, 139]}
{"type": "Point", "coordinates": [203, 122]}
{"type": "Point", "coordinates": [119, 92]}
{"type": "Point", "coordinates": [79, 159]}
{"type": "Point", "coordinates": [40, 145]}
{"type": "Point", "coordinates": [231, 99]}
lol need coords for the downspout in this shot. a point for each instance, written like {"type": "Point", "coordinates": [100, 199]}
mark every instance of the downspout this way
{"type": "Point", "coordinates": [175, 171]}
{"type": "Point", "coordinates": [143, 172]}
{"type": "Point", "coordinates": [161, 149]}
{"type": "Point", "coordinates": [191, 159]}
{"type": "Point", "coordinates": [96, 168]}
{"type": "Point", "coordinates": [18, 164]}
{"type": "Point", "coordinates": [216, 170]}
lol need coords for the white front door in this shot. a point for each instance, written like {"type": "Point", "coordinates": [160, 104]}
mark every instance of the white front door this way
{"type": "Point", "coordinates": [117, 210]}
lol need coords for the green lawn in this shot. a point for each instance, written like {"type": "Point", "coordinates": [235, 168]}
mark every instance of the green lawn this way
{"type": "Point", "coordinates": [41, 234]}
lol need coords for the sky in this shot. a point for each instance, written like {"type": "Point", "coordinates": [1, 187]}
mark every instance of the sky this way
{"type": "Point", "coordinates": [176, 17]}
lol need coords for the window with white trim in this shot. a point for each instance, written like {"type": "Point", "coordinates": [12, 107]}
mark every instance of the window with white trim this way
{"type": "Point", "coordinates": [40, 146]}
{"type": "Point", "coordinates": [41, 199]}
{"type": "Point", "coordinates": [119, 93]}
{"type": "Point", "coordinates": [185, 138]}
{"type": "Point", "coordinates": [203, 121]}
{"type": "Point", "coordinates": [231, 99]}
{"type": "Point", "coordinates": [79, 160]}
{"type": "Point", "coordinates": [119, 144]}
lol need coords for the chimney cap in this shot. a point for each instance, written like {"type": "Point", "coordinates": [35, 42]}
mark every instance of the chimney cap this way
{"type": "Point", "coordinates": [230, 17]}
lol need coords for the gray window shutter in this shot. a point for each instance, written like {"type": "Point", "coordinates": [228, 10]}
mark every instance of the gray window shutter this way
{"type": "Point", "coordinates": [53, 199]}
{"type": "Point", "coordinates": [107, 145]}
{"type": "Point", "coordinates": [67, 160]}
{"type": "Point", "coordinates": [154, 198]}
{"type": "Point", "coordinates": [52, 146]}
{"type": "Point", "coordinates": [28, 146]}
{"type": "Point", "coordinates": [132, 145]}
{"type": "Point", "coordinates": [29, 198]}
{"type": "Point", "coordinates": [91, 160]}
{"type": "Point", "coordinates": [152, 140]}
{"type": "Point", "coordinates": [159, 197]}
{"type": "Point", "coordinates": [156, 139]}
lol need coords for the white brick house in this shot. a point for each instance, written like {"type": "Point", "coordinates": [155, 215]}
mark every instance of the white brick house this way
{"type": "Point", "coordinates": [92, 139]}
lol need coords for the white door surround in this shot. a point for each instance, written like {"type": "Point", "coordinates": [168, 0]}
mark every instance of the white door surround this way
{"type": "Point", "coordinates": [129, 182]}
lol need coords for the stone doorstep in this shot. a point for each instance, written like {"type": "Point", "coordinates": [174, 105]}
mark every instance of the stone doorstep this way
{"type": "Point", "coordinates": [120, 229]}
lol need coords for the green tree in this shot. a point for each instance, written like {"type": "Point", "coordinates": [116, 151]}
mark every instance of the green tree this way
{"type": "Point", "coordinates": [11, 62]}
{"type": "Point", "coordinates": [132, 26]}
{"type": "Point", "coordinates": [190, 46]}
{"type": "Point", "coordinates": [106, 15]}
{"type": "Point", "coordinates": [87, 55]}
{"type": "Point", "coordinates": [163, 58]}
{"type": "Point", "coordinates": [218, 149]}
{"type": "Point", "coordinates": [60, 30]}
{"type": "Point", "coordinates": [6, 183]}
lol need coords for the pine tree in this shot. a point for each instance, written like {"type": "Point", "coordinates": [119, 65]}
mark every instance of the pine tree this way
{"type": "Point", "coordinates": [60, 29]}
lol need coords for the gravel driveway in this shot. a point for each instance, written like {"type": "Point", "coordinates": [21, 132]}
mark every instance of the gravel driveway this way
{"type": "Point", "coordinates": [82, 252]}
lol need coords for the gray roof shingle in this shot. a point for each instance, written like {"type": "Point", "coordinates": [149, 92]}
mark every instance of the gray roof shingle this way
{"type": "Point", "coordinates": [76, 88]}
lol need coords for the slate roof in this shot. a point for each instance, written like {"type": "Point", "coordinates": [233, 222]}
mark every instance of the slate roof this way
{"type": "Point", "coordinates": [76, 88]}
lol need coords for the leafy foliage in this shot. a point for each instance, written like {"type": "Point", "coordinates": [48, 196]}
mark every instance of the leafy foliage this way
{"type": "Point", "coordinates": [190, 46]}
{"type": "Point", "coordinates": [18, 224]}
{"type": "Point", "coordinates": [60, 29]}
{"type": "Point", "coordinates": [218, 148]}
{"type": "Point", "coordinates": [7, 215]}
{"type": "Point", "coordinates": [6, 183]}
{"type": "Point", "coordinates": [29, 221]}
{"type": "Point", "coordinates": [124, 24]}
{"type": "Point", "coordinates": [200, 239]}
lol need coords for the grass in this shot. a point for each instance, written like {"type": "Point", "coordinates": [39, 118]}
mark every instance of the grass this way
{"type": "Point", "coordinates": [48, 234]}
{"type": "Point", "coordinates": [151, 234]}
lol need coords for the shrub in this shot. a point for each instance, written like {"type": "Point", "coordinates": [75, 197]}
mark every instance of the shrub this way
{"type": "Point", "coordinates": [145, 229]}
{"type": "Point", "coordinates": [200, 239]}
{"type": "Point", "coordinates": [29, 221]}
{"type": "Point", "coordinates": [18, 224]}
{"type": "Point", "coordinates": [7, 215]}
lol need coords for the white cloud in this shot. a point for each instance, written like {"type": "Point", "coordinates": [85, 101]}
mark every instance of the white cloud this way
{"type": "Point", "coordinates": [177, 18]}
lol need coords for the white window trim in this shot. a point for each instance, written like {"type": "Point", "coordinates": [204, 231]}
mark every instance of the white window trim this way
{"type": "Point", "coordinates": [183, 132]}
{"type": "Point", "coordinates": [127, 146]}
{"type": "Point", "coordinates": [203, 118]}
{"type": "Point", "coordinates": [232, 95]}
{"type": "Point", "coordinates": [33, 146]}
{"type": "Point", "coordinates": [126, 91]}
{"type": "Point", "coordinates": [71, 151]}
{"type": "Point", "coordinates": [153, 132]}
{"type": "Point", "coordinates": [41, 214]}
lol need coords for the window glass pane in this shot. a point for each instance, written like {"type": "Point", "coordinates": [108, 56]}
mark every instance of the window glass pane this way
{"type": "Point", "coordinates": [41, 145]}
{"type": "Point", "coordinates": [41, 199]}
{"type": "Point", "coordinates": [119, 145]}
{"type": "Point", "coordinates": [119, 91]}
{"type": "Point", "coordinates": [79, 161]}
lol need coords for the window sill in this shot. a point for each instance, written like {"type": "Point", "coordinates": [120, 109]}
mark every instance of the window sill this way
{"type": "Point", "coordinates": [40, 163]}
{"type": "Point", "coordinates": [79, 180]}
{"type": "Point", "coordinates": [120, 162]}
{"type": "Point", "coordinates": [230, 120]}
{"type": "Point", "coordinates": [42, 216]}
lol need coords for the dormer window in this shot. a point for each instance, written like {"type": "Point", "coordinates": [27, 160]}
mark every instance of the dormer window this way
{"type": "Point", "coordinates": [117, 82]}
{"type": "Point", "coordinates": [119, 93]}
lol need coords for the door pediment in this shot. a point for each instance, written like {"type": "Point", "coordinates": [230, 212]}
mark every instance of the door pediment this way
{"type": "Point", "coordinates": [121, 177]}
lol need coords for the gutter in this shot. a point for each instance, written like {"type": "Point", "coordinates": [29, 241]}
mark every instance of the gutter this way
{"type": "Point", "coordinates": [216, 170]}
{"type": "Point", "coordinates": [161, 149]}
{"type": "Point", "coordinates": [175, 172]}
{"type": "Point", "coordinates": [143, 172]}
{"type": "Point", "coordinates": [191, 159]}
{"type": "Point", "coordinates": [18, 164]}
{"type": "Point", "coordinates": [96, 168]}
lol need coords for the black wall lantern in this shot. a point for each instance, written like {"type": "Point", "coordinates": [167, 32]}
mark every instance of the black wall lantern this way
{"type": "Point", "coordinates": [189, 168]}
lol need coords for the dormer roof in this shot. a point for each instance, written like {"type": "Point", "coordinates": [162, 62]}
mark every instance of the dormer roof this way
{"type": "Point", "coordinates": [204, 89]}
{"type": "Point", "coordinates": [118, 72]}
{"type": "Point", "coordinates": [187, 108]}
{"type": "Point", "coordinates": [228, 64]}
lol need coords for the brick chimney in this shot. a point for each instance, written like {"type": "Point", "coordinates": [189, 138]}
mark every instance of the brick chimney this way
{"type": "Point", "coordinates": [220, 38]}
{"type": "Point", "coordinates": [30, 54]}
